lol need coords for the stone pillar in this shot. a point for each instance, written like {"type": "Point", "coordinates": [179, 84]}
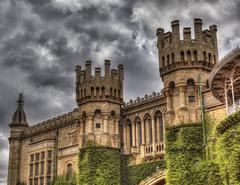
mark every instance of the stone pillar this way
{"type": "Point", "coordinates": [125, 135]}
{"type": "Point", "coordinates": [153, 135]}
{"type": "Point", "coordinates": [182, 98]}
{"type": "Point", "coordinates": [157, 129]}
{"type": "Point", "coordinates": [133, 134]}
{"type": "Point", "coordinates": [116, 126]}
{"type": "Point", "coordinates": [89, 124]}
{"type": "Point", "coordinates": [143, 132]}
{"type": "Point", "coordinates": [105, 123]}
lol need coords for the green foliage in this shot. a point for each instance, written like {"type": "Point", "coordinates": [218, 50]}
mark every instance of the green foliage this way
{"type": "Point", "coordinates": [99, 166]}
{"type": "Point", "coordinates": [229, 122]}
{"type": "Point", "coordinates": [137, 173]}
{"type": "Point", "coordinates": [184, 152]}
{"type": "Point", "coordinates": [228, 150]}
{"type": "Point", "coordinates": [63, 180]}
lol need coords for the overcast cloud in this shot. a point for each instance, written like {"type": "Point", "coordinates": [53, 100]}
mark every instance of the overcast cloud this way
{"type": "Point", "coordinates": [41, 42]}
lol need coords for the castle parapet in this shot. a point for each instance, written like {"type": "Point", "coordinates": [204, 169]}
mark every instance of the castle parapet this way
{"type": "Point", "coordinates": [99, 87]}
{"type": "Point", "coordinates": [201, 51]}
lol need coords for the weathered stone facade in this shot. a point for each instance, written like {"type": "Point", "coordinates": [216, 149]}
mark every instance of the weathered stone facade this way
{"type": "Point", "coordinates": [45, 150]}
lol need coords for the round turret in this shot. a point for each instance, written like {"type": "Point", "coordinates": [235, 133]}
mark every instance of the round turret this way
{"type": "Point", "coordinates": [184, 65]}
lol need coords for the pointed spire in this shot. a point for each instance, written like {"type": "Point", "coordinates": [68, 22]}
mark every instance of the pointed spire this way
{"type": "Point", "coordinates": [19, 116]}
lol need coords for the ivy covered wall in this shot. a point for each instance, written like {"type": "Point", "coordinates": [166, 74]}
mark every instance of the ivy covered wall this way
{"type": "Point", "coordinates": [228, 149]}
{"type": "Point", "coordinates": [184, 152]}
{"type": "Point", "coordinates": [99, 166]}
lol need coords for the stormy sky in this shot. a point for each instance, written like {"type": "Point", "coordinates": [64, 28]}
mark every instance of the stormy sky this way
{"type": "Point", "coordinates": [41, 42]}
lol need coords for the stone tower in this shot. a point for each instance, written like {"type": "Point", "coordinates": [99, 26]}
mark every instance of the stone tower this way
{"type": "Point", "coordinates": [183, 64]}
{"type": "Point", "coordinates": [99, 100]}
{"type": "Point", "coordinates": [17, 126]}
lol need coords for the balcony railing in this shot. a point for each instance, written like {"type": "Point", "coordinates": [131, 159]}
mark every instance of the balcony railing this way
{"type": "Point", "coordinates": [151, 151]}
{"type": "Point", "coordinates": [234, 107]}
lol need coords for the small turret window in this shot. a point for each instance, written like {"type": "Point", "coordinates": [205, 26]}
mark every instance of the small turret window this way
{"type": "Point", "coordinates": [92, 91]}
{"type": "Point", "coordinates": [204, 56]}
{"type": "Point", "coordinates": [195, 56]}
{"type": "Point", "coordinates": [172, 85]}
{"type": "Point", "coordinates": [210, 57]}
{"type": "Point", "coordinates": [182, 56]}
{"type": "Point", "coordinates": [163, 61]}
{"type": "Point", "coordinates": [172, 58]}
{"type": "Point", "coordinates": [190, 82]}
{"type": "Point", "coordinates": [113, 113]}
{"type": "Point", "coordinates": [98, 111]}
{"type": "Point", "coordinates": [103, 91]}
{"type": "Point", "coordinates": [188, 55]}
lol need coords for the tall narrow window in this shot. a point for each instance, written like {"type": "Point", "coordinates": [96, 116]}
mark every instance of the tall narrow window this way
{"type": "Point", "coordinates": [69, 171]}
{"type": "Point", "coordinates": [42, 155]}
{"type": "Point", "coordinates": [182, 56]}
{"type": "Point", "coordinates": [210, 57]}
{"type": "Point", "coordinates": [172, 58]}
{"type": "Point", "coordinates": [31, 170]}
{"type": "Point", "coordinates": [204, 56]}
{"type": "Point", "coordinates": [195, 56]}
{"type": "Point", "coordinates": [103, 92]}
{"type": "Point", "coordinates": [92, 91]}
{"type": "Point", "coordinates": [49, 167]}
{"type": "Point", "coordinates": [42, 168]}
{"type": "Point", "coordinates": [36, 169]}
{"type": "Point", "coordinates": [163, 61]}
{"type": "Point", "coordinates": [188, 56]}
{"type": "Point", "coordinates": [49, 154]}
{"type": "Point", "coordinates": [168, 60]}
{"type": "Point", "coordinates": [97, 91]}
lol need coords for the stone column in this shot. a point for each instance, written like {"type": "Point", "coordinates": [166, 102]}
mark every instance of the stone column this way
{"type": "Point", "coordinates": [182, 96]}
{"type": "Point", "coordinates": [133, 134]}
{"type": "Point", "coordinates": [158, 128]}
{"type": "Point", "coordinates": [105, 123]}
{"type": "Point", "coordinates": [125, 135]}
{"type": "Point", "coordinates": [116, 126]}
{"type": "Point", "coordinates": [143, 132]}
{"type": "Point", "coordinates": [153, 135]}
{"type": "Point", "coordinates": [89, 124]}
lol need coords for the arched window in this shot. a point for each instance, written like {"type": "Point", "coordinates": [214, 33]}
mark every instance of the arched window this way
{"type": "Point", "coordinates": [103, 91]}
{"type": "Point", "coordinates": [204, 56]}
{"type": "Point", "coordinates": [115, 93]}
{"type": "Point", "coordinates": [113, 113]}
{"type": "Point", "coordinates": [97, 91]}
{"type": "Point", "coordinates": [92, 91]}
{"type": "Point", "coordinates": [111, 92]}
{"type": "Point", "coordinates": [69, 171]}
{"type": "Point", "coordinates": [188, 55]}
{"type": "Point", "coordinates": [210, 57]}
{"type": "Point", "coordinates": [172, 58]}
{"type": "Point", "coordinates": [85, 93]}
{"type": "Point", "coordinates": [182, 56]}
{"type": "Point", "coordinates": [214, 58]}
{"type": "Point", "coordinates": [168, 60]}
{"type": "Point", "coordinates": [129, 133]}
{"type": "Point", "coordinates": [97, 112]}
{"type": "Point", "coordinates": [119, 93]}
{"type": "Point", "coordinates": [81, 93]}
{"type": "Point", "coordinates": [195, 56]}
{"type": "Point", "coordinates": [171, 85]}
{"type": "Point", "coordinates": [190, 82]}
{"type": "Point", "coordinates": [163, 61]}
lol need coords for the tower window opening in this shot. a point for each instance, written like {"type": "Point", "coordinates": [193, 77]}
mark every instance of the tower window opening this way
{"type": "Point", "coordinates": [111, 92]}
{"type": "Point", "coordinates": [204, 56]}
{"type": "Point", "coordinates": [172, 58]}
{"type": "Point", "coordinates": [103, 91]}
{"type": "Point", "coordinates": [92, 91]}
{"type": "Point", "coordinates": [188, 55]}
{"type": "Point", "coordinates": [210, 57]}
{"type": "Point", "coordinates": [214, 58]}
{"type": "Point", "coordinates": [190, 82]}
{"type": "Point", "coordinates": [168, 60]}
{"type": "Point", "coordinates": [85, 93]}
{"type": "Point", "coordinates": [97, 112]}
{"type": "Point", "coordinates": [182, 56]}
{"type": "Point", "coordinates": [191, 98]}
{"type": "Point", "coordinates": [97, 91]}
{"type": "Point", "coordinates": [163, 61]}
{"type": "Point", "coordinates": [115, 93]}
{"type": "Point", "coordinates": [98, 125]}
{"type": "Point", "coordinates": [113, 113]}
{"type": "Point", "coordinates": [195, 56]}
{"type": "Point", "coordinates": [69, 171]}
{"type": "Point", "coordinates": [171, 85]}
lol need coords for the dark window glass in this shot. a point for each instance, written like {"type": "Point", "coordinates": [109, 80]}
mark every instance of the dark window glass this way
{"type": "Point", "coordinates": [31, 170]}
{"type": "Point", "coordinates": [49, 154]}
{"type": "Point", "coordinates": [98, 125]}
{"type": "Point", "coordinates": [49, 167]}
{"type": "Point", "coordinates": [42, 168]}
{"type": "Point", "coordinates": [36, 181]}
{"type": "Point", "coordinates": [30, 182]}
{"type": "Point", "coordinates": [49, 181]}
{"type": "Point", "coordinates": [41, 181]}
{"type": "Point", "coordinates": [36, 168]}
{"type": "Point", "coordinates": [32, 158]}
{"type": "Point", "coordinates": [37, 156]}
{"type": "Point", "coordinates": [42, 155]}
{"type": "Point", "coordinates": [191, 98]}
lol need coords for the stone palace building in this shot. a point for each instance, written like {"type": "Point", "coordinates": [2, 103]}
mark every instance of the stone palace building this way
{"type": "Point", "coordinates": [42, 151]}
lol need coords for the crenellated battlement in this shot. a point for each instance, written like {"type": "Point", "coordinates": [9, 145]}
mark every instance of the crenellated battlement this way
{"type": "Point", "coordinates": [99, 87]}
{"type": "Point", "coordinates": [189, 51]}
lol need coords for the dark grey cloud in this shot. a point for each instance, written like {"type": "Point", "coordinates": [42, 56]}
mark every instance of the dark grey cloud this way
{"type": "Point", "coordinates": [41, 42]}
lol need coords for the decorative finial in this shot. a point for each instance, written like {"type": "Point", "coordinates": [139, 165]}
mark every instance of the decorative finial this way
{"type": "Point", "coordinates": [20, 99]}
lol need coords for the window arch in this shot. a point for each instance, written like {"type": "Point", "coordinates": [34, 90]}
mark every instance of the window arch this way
{"type": "Point", "coordinates": [172, 58]}
{"type": "Point", "coordinates": [188, 55]}
{"type": "Point", "coordinates": [182, 56]}
{"type": "Point", "coordinates": [103, 91]}
{"type": "Point", "coordinates": [171, 85]}
{"type": "Point", "coordinates": [92, 91]}
{"type": "Point", "coordinates": [204, 56]}
{"type": "Point", "coordinates": [195, 55]}
{"type": "Point", "coordinates": [69, 171]}
{"type": "Point", "coordinates": [210, 57]}
{"type": "Point", "coordinates": [163, 61]}
{"type": "Point", "coordinates": [190, 82]}
{"type": "Point", "coordinates": [97, 91]}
